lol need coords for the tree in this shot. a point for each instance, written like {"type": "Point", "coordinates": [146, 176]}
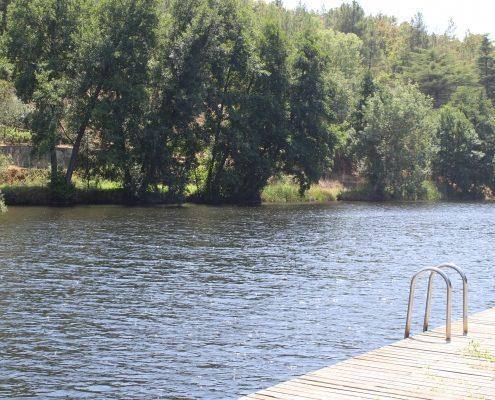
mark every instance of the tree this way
{"type": "Point", "coordinates": [368, 88]}
{"type": "Point", "coordinates": [232, 69]}
{"type": "Point", "coordinates": [13, 111]}
{"type": "Point", "coordinates": [3, 15]}
{"type": "Point", "coordinates": [479, 110]}
{"type": "Point", "coordinates": [418, 38]}
{"type": "Point", "coordinates": [262, 120]}
{"type": "Point", "coordinates": [459, 160]}
{"type": "Point", "coordinates": [348, 18]}
{"type": "Point", "coordinates": [178, 92]}
{"type": "Point", "coordinates": [438, 74]}
{"type": "Point", "coordinates": [311, 141]}
{"type": "Point", "coordinates": [39, 43]}
{"type": "Point", "coordinates": [344, 70]}
{"type": "Point", "coordinates": [397, 142]}
{"type": "Point", "coordinates": [486, 67]}
{"type": "Point", "coordinates": [114, 49]}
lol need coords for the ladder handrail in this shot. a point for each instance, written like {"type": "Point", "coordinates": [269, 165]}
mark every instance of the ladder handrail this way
{"type": "Point", "coordinates": [448, 314]}
{"type": "Point", "coordinates": [464, 296]}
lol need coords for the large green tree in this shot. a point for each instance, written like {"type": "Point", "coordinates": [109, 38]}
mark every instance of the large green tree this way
{"type": "Point", "coordinates": [398, 142]}
{"type": "Point", "coordinates": [177, 95]}
{"type": "Point", "coordinates": [311, 139]}
{"type": "Point", "coordinates": [479, 110]}
{"type": "Point", "coordinates": [232, 70]}
{"type": "Point", "coordinates": [3, 15]}
{"type": "Point", "coordinates": [39, 44]}
{"type": "Point", "coordinates": [348, 18]}
{"type": "Point", "coordinates": [486, 67]}
{"type": "Point", "coordinates": [109, 88]}
{"type": "Point", "coordinates": [438, 74]}
{"type": "Point", "coordinates": [459, 160]}
{"type": "Point", "coordinates": [260, 132]}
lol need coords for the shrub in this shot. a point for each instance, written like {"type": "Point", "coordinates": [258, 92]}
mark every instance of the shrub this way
{"type": "Point", "coordinates": [11, 135]}
{"type": "Point", "coordinates": [430, 192]}
{"type": "Point", "coordinates": [61, 192]}
{"type": "Point", "coordinates": [285, 190]}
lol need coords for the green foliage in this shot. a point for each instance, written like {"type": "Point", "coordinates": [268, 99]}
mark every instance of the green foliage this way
{"type": "Point", "coordinates": [397, 142]}
{"type": "Point", "coordinates": [429, 191]}
{"type": "Point", "coordinates": [438, 74]}
{"type": "Point", "coordinates": [486, 67]}
{"type": "Point", "coordinates": [115, 47]}
{"type": "Point", "coordinates": [11, 135]}
{"type": "Point", "coordinates": [39, 44]}
{"type": "Point", "coordinates": [286, 191]}
{"type": "Point", "coordinates": [348, 18]}
{"type": "Point", "coordinates": [61, 192]}
{"type": "Point", "coordinates": [311, 140]}
{"type": "Point", "coordinates": [368, 88]}
{"type": "Point", "coordinates": [459, 159]}
{"type": "Point", "coordinates": [12, 110]}
{"type": "Point", "coordinates": [222, 95]}
{"type": "Point", "coordinates": [479, 110]}
{"type": "Point", "coordinates": [175, 135]}
{"type": "Point", "coordinates": [418, 33]}
{"type": "Point", "coordinates": [246, 111]}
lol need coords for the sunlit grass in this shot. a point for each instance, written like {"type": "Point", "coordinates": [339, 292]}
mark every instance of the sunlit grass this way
{"type": "Point", "coordinates": [285, 191]}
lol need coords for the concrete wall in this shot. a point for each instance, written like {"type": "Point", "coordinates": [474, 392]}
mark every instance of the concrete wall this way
{"type": "Point", "coordinates": [22, 156]}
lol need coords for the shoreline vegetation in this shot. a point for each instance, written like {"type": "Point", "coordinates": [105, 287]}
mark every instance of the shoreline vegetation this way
{"type": "Point", "coordinates": [239, 102]}
{"type": "Point", "coordinates": [31, 187]}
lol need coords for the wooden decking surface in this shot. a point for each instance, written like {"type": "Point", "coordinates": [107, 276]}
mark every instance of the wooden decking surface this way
{"type": "Point", "coordinates": [424, 366]}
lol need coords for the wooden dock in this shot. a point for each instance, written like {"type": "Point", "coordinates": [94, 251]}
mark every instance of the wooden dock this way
{"type": "Point", "coordinates": [424, 366]}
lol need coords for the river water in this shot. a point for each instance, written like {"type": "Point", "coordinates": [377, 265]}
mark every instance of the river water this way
{"type": "Point", "coordinates": [213, 303]}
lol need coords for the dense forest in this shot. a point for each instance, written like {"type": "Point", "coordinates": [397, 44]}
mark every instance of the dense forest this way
{"type": "Point", "coordinates": [210, 99]}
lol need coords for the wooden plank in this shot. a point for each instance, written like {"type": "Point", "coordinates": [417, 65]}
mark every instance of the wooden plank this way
{"type": "Point", "coordinates": [424, 367]}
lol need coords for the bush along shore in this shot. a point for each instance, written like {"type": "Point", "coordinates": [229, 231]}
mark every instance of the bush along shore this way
{"type": "Point", "coordinates": [221, 101]}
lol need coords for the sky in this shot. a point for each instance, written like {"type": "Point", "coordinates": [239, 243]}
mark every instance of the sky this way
{"type": "Point", "coordinates": [476, 16]}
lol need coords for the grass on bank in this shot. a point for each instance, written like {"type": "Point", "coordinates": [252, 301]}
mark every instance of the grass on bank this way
{"type": "Point", "coordinates": [284, 191]}
{"type": "Point", "coordinates": [21, 186]}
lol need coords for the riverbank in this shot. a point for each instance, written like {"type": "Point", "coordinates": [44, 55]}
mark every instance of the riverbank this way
{"type": "Point", "coordinates": [275, 193]}
{"type": "Point", "coordinates": [30, 187]}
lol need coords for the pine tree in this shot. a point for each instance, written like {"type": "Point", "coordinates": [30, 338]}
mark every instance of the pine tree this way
{"type": "Point", "coordinates": [486, 67]}
{"type": "Point", "coordinates": [3, 15]}
{"type": "Point", "coordinates": [419, 34]}
{"type": "Point", "coordinates": [368, 88]}
{"type": "Point", "coordinates": [348, 18]}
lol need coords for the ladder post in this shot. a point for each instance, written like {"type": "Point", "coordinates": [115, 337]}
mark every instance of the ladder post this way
{"type": "Point", "coordinates": [448, 313]}
{"type": "Point", "coordinates": [464, 296]}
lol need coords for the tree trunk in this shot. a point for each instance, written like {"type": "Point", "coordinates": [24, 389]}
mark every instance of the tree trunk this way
{"type": "Point", "coordinates": [80, 133]}
{"type": "Point", "coordinates": [53, 165]}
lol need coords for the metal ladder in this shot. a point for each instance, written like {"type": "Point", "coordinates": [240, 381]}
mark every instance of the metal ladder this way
{"type": "Point", "coordinates": [433, 271]}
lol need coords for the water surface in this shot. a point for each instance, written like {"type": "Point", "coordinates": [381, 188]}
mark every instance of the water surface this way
{"type": "Point", "coordinates": [201, 302]}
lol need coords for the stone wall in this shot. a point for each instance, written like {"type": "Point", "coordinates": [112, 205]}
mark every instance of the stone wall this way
{"type": "Point", "coordinates": [22, 156]}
